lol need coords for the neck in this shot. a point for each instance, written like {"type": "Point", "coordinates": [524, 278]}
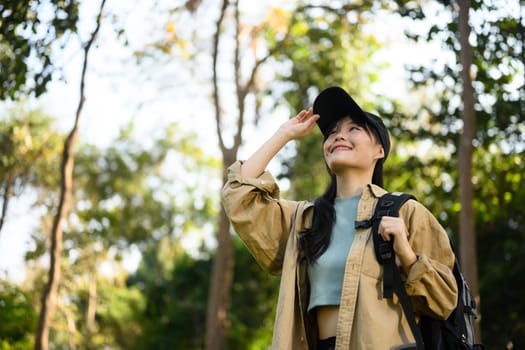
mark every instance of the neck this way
{"type": "Point", "coordinates": [351, 184]}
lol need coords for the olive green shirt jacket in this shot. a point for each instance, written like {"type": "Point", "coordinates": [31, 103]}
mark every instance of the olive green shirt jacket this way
{"type": "Point", "coordinates": [270, 227]}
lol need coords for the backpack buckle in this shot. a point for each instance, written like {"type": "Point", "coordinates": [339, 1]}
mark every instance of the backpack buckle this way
{"type": "Point", "coordinates": [385, 250]}
{"type": "Point", "coordinates": [363, 224]}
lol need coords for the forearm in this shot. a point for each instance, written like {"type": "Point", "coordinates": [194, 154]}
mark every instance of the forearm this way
{"type": "Point", "coordinates": [406, 256]}
{"type": "Point", "coordinates": [299, 126]}
{"type": "Point", "coordinates": [258, 161]}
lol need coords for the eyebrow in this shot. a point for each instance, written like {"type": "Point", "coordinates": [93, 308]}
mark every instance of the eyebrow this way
{"type": "Point", "coordinates": [345, 121]}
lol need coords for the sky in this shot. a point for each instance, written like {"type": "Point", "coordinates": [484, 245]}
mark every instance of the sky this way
{"type": "Point", "coordinates": [156, 93]}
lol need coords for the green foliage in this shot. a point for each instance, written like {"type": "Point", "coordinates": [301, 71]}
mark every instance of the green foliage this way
{"type": "Point", "coordinates": [29, 28]}
{"type": "Point", "coordinates": [17, 318]}
{"type": "Point", "coordinates": [500, 221]}
{"type": "Point", "coordinates": [29, 150]}
{"type": "Point", "coordinates": [175, 311]}
{"type": "Point", "coordinates": [254, 300]}
{"type": "Point", "coordinates": [176, 301]}
{"type": "Point", "coordinates": [28, 143]}
{"type": "Point", "coordinates": [126, 197]}
{"type": "Point", "coordinates": [119, 315]}
{"type": "Point", "coordinates": [498, 68]}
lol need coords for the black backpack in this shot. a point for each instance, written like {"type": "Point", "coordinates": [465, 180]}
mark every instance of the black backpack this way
{"type": "Point", "coordinates": [457, 332]}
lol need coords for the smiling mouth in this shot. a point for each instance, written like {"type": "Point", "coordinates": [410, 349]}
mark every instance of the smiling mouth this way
{"type": "Point", "coordinates": [340, 147]}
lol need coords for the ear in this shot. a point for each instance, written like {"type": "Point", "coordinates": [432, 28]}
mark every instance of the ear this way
{"type": "Point", "coordinates": [380, 152]}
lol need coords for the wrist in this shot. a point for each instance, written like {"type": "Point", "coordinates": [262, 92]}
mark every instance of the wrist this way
{"type": "Point", "coordinates": [283, 136]}
{"type": "Point", "coordinates": [409, 261]}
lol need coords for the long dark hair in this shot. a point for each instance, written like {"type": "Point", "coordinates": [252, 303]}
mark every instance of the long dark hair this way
{"type": "Point", "coordinates": [314, 240]}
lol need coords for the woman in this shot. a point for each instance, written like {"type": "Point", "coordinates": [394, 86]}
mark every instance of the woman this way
{"type": "Point", "coordinates": [330, 295]}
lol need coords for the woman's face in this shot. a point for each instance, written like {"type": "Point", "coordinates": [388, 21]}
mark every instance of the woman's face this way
{"type": "Point", "coordinates": [348, 145]}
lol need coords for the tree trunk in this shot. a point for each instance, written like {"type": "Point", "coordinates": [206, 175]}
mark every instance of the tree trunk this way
{"type": "Point", "coordinates": [71, 327]}
{"type": "Point", "coordinates": [49, 299]}
{"type": "Point", "coordinates": [467, 236]}
{"type": "Point", "coordinates": [5, 203]}
{"type": "Point", "coordinates": [91, 308]}
{"type": "Point", "coordinates": [218, 322]}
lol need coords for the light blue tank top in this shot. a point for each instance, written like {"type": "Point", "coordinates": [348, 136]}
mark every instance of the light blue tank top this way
{"type": "Point", "coordinates": [326, 275]}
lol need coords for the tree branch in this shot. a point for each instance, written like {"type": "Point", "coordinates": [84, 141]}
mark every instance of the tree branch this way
{"type": "Point", "coordinates": [215, 58]}
{"type": "Point", "coordinates": [49, 298]}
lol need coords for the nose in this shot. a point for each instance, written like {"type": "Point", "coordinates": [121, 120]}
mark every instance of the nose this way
{"type": "Point", "coordinates": [339, 135]}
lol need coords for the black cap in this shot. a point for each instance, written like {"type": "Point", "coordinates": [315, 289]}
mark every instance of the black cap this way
{"type": "Point", "coordinates": [335, 103]}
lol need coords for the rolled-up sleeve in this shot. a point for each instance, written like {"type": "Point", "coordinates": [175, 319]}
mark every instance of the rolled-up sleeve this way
{"type": "Point", "coordinates": [260, 218]}
{"type": "Point", "coordinates": [430, 282]}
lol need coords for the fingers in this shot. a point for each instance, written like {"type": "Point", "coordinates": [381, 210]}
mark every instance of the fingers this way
{"type": "Point", "coordinates": [391, 227]}
{"type": "Point", "coordinates": [302, 124]}
{"type": "Point", "coordinates": [306, 114]}
{"type": "Point", "coordinates": [305, 121]}
{"type": "Point", "coordinates": [302, 113]}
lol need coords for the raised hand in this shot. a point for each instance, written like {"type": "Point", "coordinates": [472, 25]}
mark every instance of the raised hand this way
{"type": "Point", "coordinates": [300, 125]}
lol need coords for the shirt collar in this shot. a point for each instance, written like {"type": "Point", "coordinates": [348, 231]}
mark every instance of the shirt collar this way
{"type": "Point", "coordinates": [373, 190]}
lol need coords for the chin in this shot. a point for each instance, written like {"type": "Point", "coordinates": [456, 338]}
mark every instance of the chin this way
{"type": "Point", "coordinates": [337, 167]}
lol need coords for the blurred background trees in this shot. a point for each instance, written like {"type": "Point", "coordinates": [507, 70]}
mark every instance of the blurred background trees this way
{"type": "Point", "coordinates": [30, 30]}
{"type": "Point", "coordinates": [141, 237]}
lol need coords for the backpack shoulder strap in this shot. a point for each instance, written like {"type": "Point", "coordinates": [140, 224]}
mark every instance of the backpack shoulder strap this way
{"type": "Point", "coordinates": [389, 205]}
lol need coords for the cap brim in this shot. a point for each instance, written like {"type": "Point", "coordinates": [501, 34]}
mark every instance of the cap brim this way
{"type": "Point", "coordinates": [333, 104]}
